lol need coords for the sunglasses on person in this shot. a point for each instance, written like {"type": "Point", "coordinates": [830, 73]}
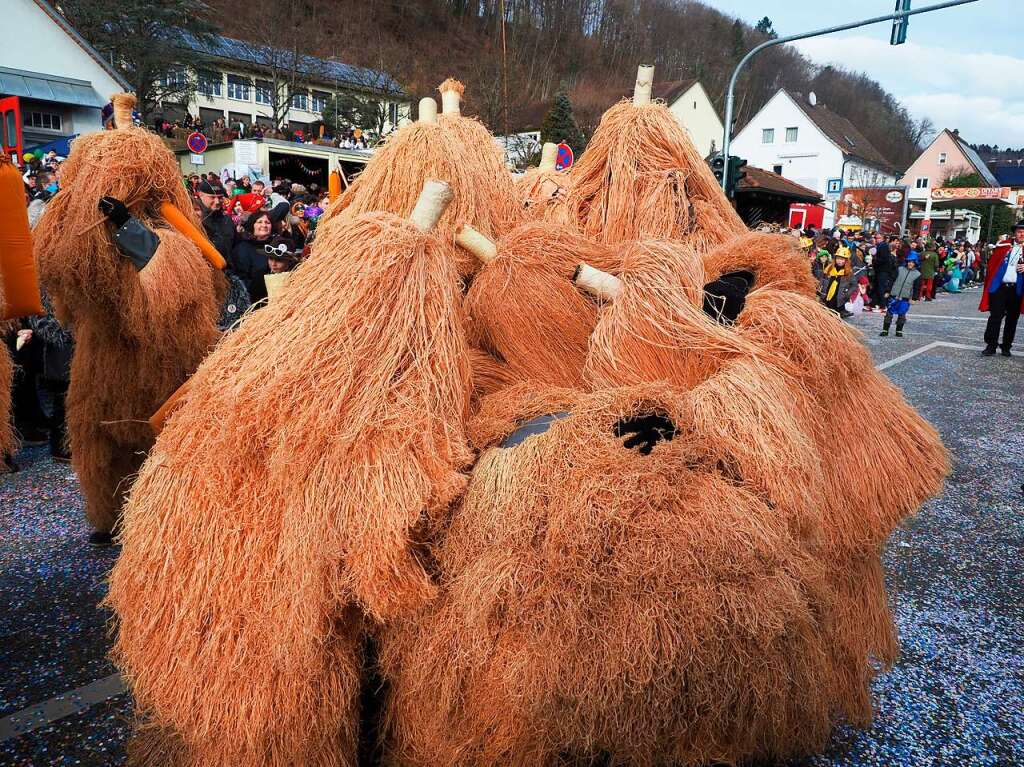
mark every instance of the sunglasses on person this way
{"type": "Point", "coordinates": [279, 251]}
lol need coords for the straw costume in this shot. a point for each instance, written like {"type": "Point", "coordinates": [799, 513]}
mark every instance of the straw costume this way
{"type": "Point", "coordinates": [455, 149]}
{"type": "Point", "coordinates": [650, 563]}
{"type": "Point", "coordinates": [641, 177]}
{"type": "Point", "coordinates": [255, 552]}
{"type": "Point", "coordinates": [141, 324]}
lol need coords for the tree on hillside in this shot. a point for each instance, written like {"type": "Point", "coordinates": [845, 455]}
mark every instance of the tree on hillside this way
{"type": "Point", "coordinates": [143, 40]}
{"type": "Point", "coordinates": [765, 27]}
{"type": "Point", "coordinates": [560, 123]}
{"type": "Point", "coordinates": [739, 42]}
{"type": "Point", "coordinates": [996, 219]}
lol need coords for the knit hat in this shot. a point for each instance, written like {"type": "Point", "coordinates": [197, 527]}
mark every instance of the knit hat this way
{"type": "Point", "coordinates": [863, 280]}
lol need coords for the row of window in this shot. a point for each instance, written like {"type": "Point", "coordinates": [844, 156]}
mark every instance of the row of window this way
{"type": "Point", "coordinates": [768, 135]}
{"type": "Point", "coordinates": [46, 120]}
{"type": "Point", "coordinates": [240, 88]}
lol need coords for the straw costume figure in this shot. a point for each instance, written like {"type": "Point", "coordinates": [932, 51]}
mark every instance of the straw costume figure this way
{"type": "Point", "coordinates": [458, 150]}
{"type": "Point", "coordinates": [139, 296]}
{"type": "Point", "coordinates": [641, 177]}
{"type": "Point", "coordinates": [659, 571]}
{"type": "Point", "coordinates": [244, 584]}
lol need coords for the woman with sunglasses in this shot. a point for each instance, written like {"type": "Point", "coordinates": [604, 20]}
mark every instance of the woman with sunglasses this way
{"type": "Point", "coordinates": [249, 256]}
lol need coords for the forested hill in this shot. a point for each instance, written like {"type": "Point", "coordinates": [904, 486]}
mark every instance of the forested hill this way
{"type": "Point", "coordinates": [591, 45]}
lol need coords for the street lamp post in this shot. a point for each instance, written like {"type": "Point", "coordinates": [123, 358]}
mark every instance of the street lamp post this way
{"type": "Point", "coordinates": [730, 94]}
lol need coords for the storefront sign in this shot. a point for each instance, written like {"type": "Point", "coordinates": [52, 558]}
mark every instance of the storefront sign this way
{"type": "Point", "coordinates": [971, 193]}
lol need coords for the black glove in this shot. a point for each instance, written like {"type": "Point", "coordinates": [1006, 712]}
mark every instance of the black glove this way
{"type": "Point", "coordinates": [725, 297]}
{"type": "Point", "coordinates": [643, 432]}
{"type": "Point", "coordinates": [114, 210]}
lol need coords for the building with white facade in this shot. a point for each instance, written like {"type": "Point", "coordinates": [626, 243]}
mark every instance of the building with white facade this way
{"type": "Point", "coordinates": [58, 82]}
{"type": "Point", "coordinates": [235, 82]}
{"type": "Point", "coordinates": [805, 142]}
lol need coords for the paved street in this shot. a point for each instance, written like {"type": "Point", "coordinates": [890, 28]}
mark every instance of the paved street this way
{"type": "Point", "coordinates": [955, 697]}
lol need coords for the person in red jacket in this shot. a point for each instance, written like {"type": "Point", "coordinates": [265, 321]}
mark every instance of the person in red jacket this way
{"type": "Point", "coordinates": [1003, 297]}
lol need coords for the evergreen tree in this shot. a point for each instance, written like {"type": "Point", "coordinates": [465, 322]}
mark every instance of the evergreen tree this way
{"type": "Point", "coordinates": [766, 28]}
{"type": "Point", "coordinates": [560, 123]}
{"type": "Point", "coordinates": [739, 43]}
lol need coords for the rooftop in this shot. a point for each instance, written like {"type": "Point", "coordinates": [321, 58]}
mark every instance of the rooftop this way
{"type": "Point", "coordinates": [764, 181]}
{"type": "Point", "coordinates": [326, 70]}
{"type": "Point", "coordinates": [842, 133]}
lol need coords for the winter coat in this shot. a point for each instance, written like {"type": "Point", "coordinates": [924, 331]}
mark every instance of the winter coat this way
{"type": "Point", "coordinates": [884, 262]}
{"type": "Point", "coordinates": [57, 344]}
{"type": "Point", "coordinates": [249, 262]}
{"type": "Point", "coordinates": [903, 285]}
{"type": "Point", "coordinates": [236, 302]}
{"type": "Point", "coordinates": [220, 229]}
{"type": "Point", "coordinates": [842, 293]}
{"type": "Point", "coordinates": [929, 264]}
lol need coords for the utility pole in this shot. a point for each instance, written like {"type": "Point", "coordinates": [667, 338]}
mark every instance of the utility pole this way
{"type": "Point", "coordinates": [901, 16]}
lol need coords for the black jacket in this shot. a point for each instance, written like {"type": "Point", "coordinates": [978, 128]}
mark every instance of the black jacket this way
{"type": "Point", "coordinates": [57, 343]}
{"type": "Point", "coordinates": [220, 229]}
{"type": "Point", "coordinates": [884, 262]}
{"type": "Point", "coordinates": [249, 261]}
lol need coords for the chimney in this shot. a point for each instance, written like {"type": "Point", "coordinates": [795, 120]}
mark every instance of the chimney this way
{"type": "Point", "coordinates": [956, 132]}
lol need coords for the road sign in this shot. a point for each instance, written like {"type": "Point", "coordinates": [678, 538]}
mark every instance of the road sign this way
{"type": "Point", "coordinates": [565, 157]}
{"type": "Point", "coordinates": [197, 159]}
{"type": "Point", "coordinates": [926, 226]}
{"type": "Point", "coordinates": [900, 25]}
{"type": "Point", "coordinates": [197, 142]}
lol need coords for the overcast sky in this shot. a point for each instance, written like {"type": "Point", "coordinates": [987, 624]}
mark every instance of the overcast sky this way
{"type": "Point", "coordinates": [962, 67]}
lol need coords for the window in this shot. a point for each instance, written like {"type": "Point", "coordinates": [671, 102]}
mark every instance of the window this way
{"type": "Point", "coordinates": [300, 100]}
{"type": "Point", "coordinates": [264, 92]}
{"type": "Point", "coordinates": [942, 158]}
{"type": "Point", "coordinates": [791, 134]}
{"type": "Point", "coordinates": [777, 170]}
{"type": "Point", "coordinates": [44, 120]}
{"type": "Point", "coordinates": [768, 136]}
{"type": "Point", "coordinates": [210, 83]}
{"type": "Point", "coordinates": [238, 88]}
{"type": "Point", "coordinates": [921, 183]}
{"type": "Point", "coordinates": [175, 78]}
{"type": "Point", "coordinates": [320, 101]}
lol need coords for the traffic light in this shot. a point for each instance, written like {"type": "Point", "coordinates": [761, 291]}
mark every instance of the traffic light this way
{"type": "Point", "coordinates": [899, 26]}
{"type": "Point", "coordinates": [717, 163]}
{"type": "Point", "coordinates": [736, 174]}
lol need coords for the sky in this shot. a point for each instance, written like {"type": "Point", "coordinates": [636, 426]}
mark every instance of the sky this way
{"type": "Point", "coordinates": [961, 66]}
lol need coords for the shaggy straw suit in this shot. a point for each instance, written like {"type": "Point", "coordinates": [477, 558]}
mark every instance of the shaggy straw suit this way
{"type": "Point", "coordinates": [138, 334]}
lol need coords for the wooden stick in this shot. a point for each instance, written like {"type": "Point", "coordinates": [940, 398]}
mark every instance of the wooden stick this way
{"type": "Point", "coordinates": [549, 156]}
{"type": "Point", "coordinates": [644, 84]}
{"type": "Point", "coordinates": [602, 285]}
{"type": "Point", "coordinates": [430, 206]}
{"type": "Point", "coordinates": [478, 244]}
{"type": "Point", "coordinates": [428, 110]}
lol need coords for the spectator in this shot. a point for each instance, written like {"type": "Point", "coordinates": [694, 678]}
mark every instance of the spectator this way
{"type": "Point", "coordinates": [929, 268]}
{"type": "Point", "coordinates": [249, 258]}
{"type": "Point", "coordinates": [219, 228]}
{"type": "Point", "coordinates": [57, 347]}
{"type": "Point", "coordinates": [885, 266]}
{"type": "Point", "coordinates": [835, 286]}
{"type": "Point", "coordinates": [899, 300]}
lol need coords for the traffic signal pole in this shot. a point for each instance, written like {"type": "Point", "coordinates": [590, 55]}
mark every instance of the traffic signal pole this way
{"type": "Point", "coordinates": [730, 94]}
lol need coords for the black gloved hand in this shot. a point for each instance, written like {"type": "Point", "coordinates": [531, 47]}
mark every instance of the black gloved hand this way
{"type": "Point", "coordinates": [725, 297]}
{"type": "Point", "coordinates": [115, 210]}
{"type": "Point", "coordinates": [643, 432]}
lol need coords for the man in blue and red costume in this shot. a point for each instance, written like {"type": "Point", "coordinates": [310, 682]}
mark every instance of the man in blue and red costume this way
{"type": "Point", "coordinates": [1003, 297]}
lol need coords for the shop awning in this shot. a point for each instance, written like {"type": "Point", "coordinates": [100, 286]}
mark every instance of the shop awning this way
{"type": "Point", "coordinates": [62, 90]}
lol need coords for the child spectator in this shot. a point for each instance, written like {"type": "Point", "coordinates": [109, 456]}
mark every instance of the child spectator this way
{"type": "Point", "coordinates": [899, 299]}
